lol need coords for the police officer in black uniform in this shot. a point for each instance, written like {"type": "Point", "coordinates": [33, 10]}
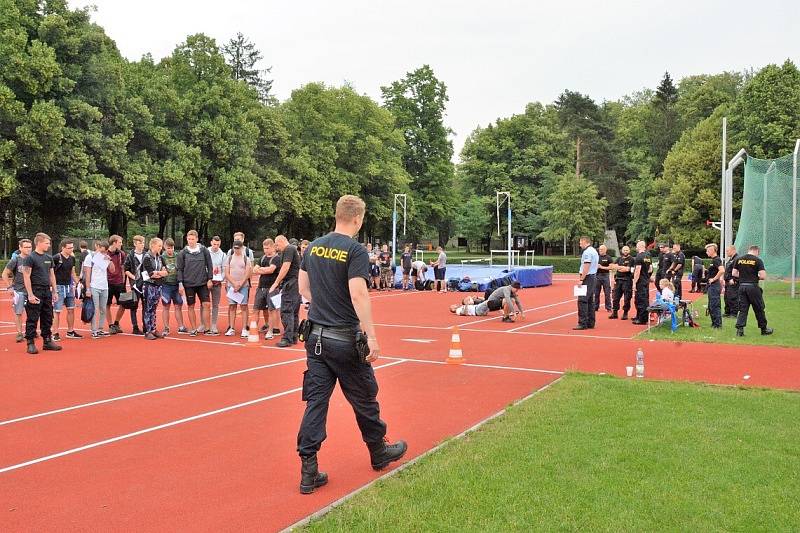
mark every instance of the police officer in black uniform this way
{"type": "Point", "coordinates": [641, 282]}
{"type": "Point", "coordinates": [749, 269]}
{"type": "Point", "coordinates": [675, 270]}
{"type": "Point", "coordinates": [602, 280]}
{"type": "Point", "coordinates": [731, 283]}
{"type": "Point", "coordinates": [663, 262]}
{"type": "Point", "coordinates": [623, 283]}
{"type": "Point", "coordinates": [334, 277]}
{"type": "Point", "coordinates": [714, 290]}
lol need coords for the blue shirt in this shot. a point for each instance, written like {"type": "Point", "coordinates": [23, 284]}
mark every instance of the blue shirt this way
{"type": "Point", "coordinates": [590, 256]}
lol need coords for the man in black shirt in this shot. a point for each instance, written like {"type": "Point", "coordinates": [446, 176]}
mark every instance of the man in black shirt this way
{"type": "Point", "coordinates": [290, 295]}
{"type": "Point", "coordinates": [749, 269]}
{"type": "Point", "coordinates": [675, 270]}
{"type": "Point", "coordinates": [334, 278]}
{"type": "Point", "coordinates": [697, 273]}
{"type": "Point", "coordinates": [267, 269]}
{"type": "Point", "coordinates": [641, 283]}
{"type": "Point", "coordinates": [40, 284]}
{"type": "Point", "coordinates": [623, 283]}
{"type": "Point", "coordinates": [405, 263]}
{"type": "Point", "coordinates": [731, 283]}
{"type": "Point", "coordinates": [661, 263]}
{"type": "Point", "coordinates": [714, 290]}
{"type": "Point", "coordinates": [66, 281]}
{"type": "Point", "coordinates": [602, 280]}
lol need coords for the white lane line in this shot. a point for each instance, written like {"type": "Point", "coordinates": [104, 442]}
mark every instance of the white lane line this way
{"type": "Point", "coordinates": [421, 341]}
{"type": "Point", "coordinates": [542, 321]}
{"type": "Point", "coordinates": [527, 311]}
{"type": "Point", "coordinates": [502, 331]}
{"type": "Point", "coordinates": [150, 391]}
{"type": "Point", "coordinates": [475, 365]}
{"type": "Point", "coordinates": [162, 426]}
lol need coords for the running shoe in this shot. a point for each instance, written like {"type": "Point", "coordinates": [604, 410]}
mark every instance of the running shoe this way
{"type": "Point", "coordinates": [193, 333]}
{"type": "Point", "coordinates": [57, 338]}
{"type": "Point", "coordinates": [183, 331]}
{"type": "Point", "coordinates": [74, 335]}
{"type": "Point", "coordinates": [245, 333]}
{"type": "Point", "coordinates": [212, 333]}
{"type": "Point", "coordinates": [230, 332]}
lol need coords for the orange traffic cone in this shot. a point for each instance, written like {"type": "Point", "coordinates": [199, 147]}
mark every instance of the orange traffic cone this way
{"type": "Point", "coordinates": [455, 357]}
{"type": "Point", "coordinates": [252, 335]}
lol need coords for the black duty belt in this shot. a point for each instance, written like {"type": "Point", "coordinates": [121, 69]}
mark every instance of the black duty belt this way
{"type": "Point", "coordinates": [747, 283]}
{"type": "Point", "coordinates": [334, 333]}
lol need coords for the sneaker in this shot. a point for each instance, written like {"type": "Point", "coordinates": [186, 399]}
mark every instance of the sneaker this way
{"type": "Point", "coordinates": [506, 319]}
{"type": "Point", "coordinates": [56, 338]}
{"type": "Point", "coordinates": [230, 332]}
{"type": "Point", "coordinates": [113, 329]}
{"type": "Point", "coordinates": [245, 333]}
{"type": "Point", "coordinates": [183, 331]}
{"type": "Point", "coordinates": [212, 333]}
{"type": "Point", "coordinates": [269, 335]}
{"type": "Point", "coordinates": [276, 331]}
{"type": "Point", "coordinates": [95, 335]}
{"type": "Point", "coordinates": [74, 335]}
{"type": "Point", "coordinates": [193, 333]}
{"type": "Point", "coordinates": [104, 333]}
{"type": "Point", "coordinates": [20, 337]}
{"type": "Point", "coordinates": [165, 332]}
{"type": "Point", "coordinates": [264, 328]}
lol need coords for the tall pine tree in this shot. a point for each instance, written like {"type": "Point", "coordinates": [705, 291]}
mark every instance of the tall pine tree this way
{"type": "Point", "coordinates": [243, 57]}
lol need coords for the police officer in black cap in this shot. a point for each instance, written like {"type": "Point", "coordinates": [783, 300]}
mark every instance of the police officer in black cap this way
{"type": "Point", "coordinates": [749, 269]}
{"type": "Point", "coordinates": [334, 277]}
{"type": "Point", "coordinates": [731, 283]}
{"type": "Point", "coordinates": [641, 282]}
{"type": "Point", "coordinates": [623, 286]}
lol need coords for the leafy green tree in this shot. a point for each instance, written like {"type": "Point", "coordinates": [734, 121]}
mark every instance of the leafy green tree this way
{"type": "Point", "coordinates": [243, 57]}
{"type": "Point", "coordinates": [574, 209]}
{"type": "Point", "coordinates": [664, 121]}
{"type": "Point", "coordinates": [699, 96]}
{"type": "Point", "coordinates": [418, 103]}
{"type": "Point", "coordinates": [473, 221]}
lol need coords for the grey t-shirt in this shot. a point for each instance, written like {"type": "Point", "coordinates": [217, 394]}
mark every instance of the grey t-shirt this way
{"type": "Point", "coordinates": [442, 260]}
{"type": "Point", "coordinates": [14, 266]}
{"type": "Point", "coordinates": [505, 293]}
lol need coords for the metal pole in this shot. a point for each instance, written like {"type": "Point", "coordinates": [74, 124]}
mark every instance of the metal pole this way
{"type": "Point", "coordinates": [794, 215]}
{"type": "Point", "coordinates": [732, 164]}
{"type": "Point", "coordinates": [510, 260]}
{"type": "Point", "coordinates": [394, 230]}
{"type": "Point", "coordinates": [722, 244]}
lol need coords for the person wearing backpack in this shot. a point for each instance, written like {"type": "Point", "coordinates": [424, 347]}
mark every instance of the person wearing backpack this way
{"type": "Point", "coordinates": [13, 273]}
{"type": "Point", "coordinates": [195, 270]}
{"type": "Point", "coordinates": [133, 273]}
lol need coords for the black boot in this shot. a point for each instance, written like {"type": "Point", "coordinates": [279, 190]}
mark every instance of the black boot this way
{"type": "Point", "coordinates": [613, 315]}
{"type": "Point", "coordinates": [310, 476]}
{"type": "Point", "coordinates": [382, 453]}
{"type": "Point", "coordinates": [739, 332]}
{"type": "Point", "coordinates": [624, 315]}
{"type": "Point", "coordinates": [766, 331]}
{"type": "Point", "coordinates": [49, 345]}
{"type": "Point", "coordinates": [32, 348]}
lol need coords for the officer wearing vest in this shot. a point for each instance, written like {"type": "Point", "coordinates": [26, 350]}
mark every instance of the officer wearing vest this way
{"type": "Point", "coordinates": [340, 343]}
{"type": "Point", "coordinates": [603, 281]}
{"type": "Point", "coordinates": [623, 286]}
{"type": "Point", "coordinates": [641, 282]}
{"type": "Point", "coordinates": [749, 270]}
{"type": "Point", "coordinates": [731, 283]}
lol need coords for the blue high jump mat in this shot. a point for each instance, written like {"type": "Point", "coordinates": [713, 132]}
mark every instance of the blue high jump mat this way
{"type": "Point", "coordinates": [483, 275]}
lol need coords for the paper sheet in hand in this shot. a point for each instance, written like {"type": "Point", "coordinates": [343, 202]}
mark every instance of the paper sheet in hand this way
{"type": "Point", "coordinates": [235, 296]}
{"type": "Point", "coordinates": [276, 300]}
{"type": "Point", "coordinates": [579, 290]}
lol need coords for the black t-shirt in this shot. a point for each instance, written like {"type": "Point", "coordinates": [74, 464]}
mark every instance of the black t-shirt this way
{"type": "Point", "coordinates": [289, 255]}
{"type": "Point", "coordinates": [625, 261]}
{"type": "Point", "coordinates": [604, 260]}
{"type": "Point", "coordinates": [331, 262]}
{"type": "Point", "coordinates": [680, 260]}
{"type": "Point", "coordinates": [63, 267]}
{"type": "Point", "coordinates": [665, 262]}
{"type": "Point", "coordinates": [40, 265]}
{"type": "Point", "coordinates": [643, 260]}
{"type": "Point", "coordinates": [265, 281]}
{"type": "Point", "coordinates": [385, 259]}
{"type": "Point", "coordinates": [729, 268]}
{"type": "Point", "coordinates": [716, 264]}
{"type": "Point", "coordinates": [748, 266]}
{"type": "Point", "coordinates": [405, 260]}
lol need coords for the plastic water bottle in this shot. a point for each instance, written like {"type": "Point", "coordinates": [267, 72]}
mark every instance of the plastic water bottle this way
{"type": "Point", "coordinates": [639, 363]}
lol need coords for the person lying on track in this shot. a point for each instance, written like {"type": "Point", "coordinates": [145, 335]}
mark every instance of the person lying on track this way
{"type": "Point", "coordinates": [505, 298]}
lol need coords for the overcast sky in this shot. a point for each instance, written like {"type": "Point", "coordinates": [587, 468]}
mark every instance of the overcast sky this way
{"type": "Point", "coordinates": [495, 57]}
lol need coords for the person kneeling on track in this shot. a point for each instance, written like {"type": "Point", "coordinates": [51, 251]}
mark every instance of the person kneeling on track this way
{"type": "Point", "coordinates": [504, 298]}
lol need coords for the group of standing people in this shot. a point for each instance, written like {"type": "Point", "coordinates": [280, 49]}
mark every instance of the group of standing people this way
{"type": "Point", "coordinates": [738, 278]}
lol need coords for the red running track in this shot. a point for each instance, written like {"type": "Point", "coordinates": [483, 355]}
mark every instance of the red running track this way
{"type": "Point", "coordinates": [199, 433]}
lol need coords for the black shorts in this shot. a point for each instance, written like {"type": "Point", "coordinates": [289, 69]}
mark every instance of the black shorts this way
{"type": "Point", "coordinates": [201, 291]}
{"type": "Point", "coordinates": [263, 301]}
{"type": "Point", "coordinates": [494, 305]}
{"type": "Point", "coordinates": [438, 273]}
{"type": "Point", "coordinates": [114, 292]}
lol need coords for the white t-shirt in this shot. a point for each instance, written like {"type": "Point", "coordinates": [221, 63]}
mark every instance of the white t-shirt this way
{"type": "Point", "coordinates": [419, 266]}
{"type": "Point", "coordinates": [99, 265]}
{"type": "Point", "coordinates": [667, 295]}
{"type": "Point", "coordinates": [466, 310]}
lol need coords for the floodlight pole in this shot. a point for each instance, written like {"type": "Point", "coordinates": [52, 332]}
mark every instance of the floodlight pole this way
{"type": "Point", "coordinates": [507, 197]}
{"type": "Point", "coordinates": [737, 160]}
{"type": "Point", "coordinates": [794, 215]}
{"type": "Point", "coordinates": [402, 198]}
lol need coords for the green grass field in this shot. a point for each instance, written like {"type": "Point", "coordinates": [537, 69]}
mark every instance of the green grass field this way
{"type": "Point", "coordinates": [783, 315]}
{"type": "Point", "coordinates": [599, 453]}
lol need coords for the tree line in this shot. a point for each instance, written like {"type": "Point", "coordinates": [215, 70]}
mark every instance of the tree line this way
{"type": "Point", "coordinates": [198, 140]}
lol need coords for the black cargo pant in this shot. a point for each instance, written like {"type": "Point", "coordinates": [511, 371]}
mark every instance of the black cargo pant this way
{"type": "Point", "coordinates": [586, 303]}
{"type": "Point", "coordinates": [623, 287]}
{"type": "Point", "coordinates": [731, 299]}
{"type": "Point", "coordinates": [41, 312]}
{"type": "Point", "coordinates": [697, 273]}
{"type": "Point", "coordinates": [290, 312]}
{"type": "Point", "coordinates": [337, 360]}
{"type": "Point", "coordinates": [676, 280]}
{"type": "Point", "coordinates": [714, 305]}
{"type": "Point", "coordinates": [602, 283]}
{"type": "Point", "coordinates": [642, 299]}
{"type": "Point", "coordinates": [750, 294]}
